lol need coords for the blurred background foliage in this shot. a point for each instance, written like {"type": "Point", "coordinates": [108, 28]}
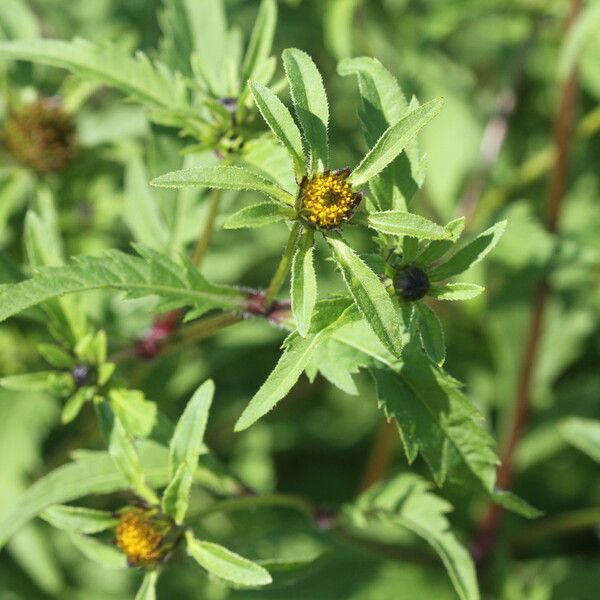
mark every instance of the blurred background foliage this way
{"type": "Point", "coordinates": [499, 64]}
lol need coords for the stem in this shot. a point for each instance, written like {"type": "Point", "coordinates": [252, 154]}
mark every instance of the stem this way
{"type": "Point", "coordinates": [207, 231]}
{"type": "Point", "coordinates": [565, 523]}
{"type": "Point", "coordinates": [380, 457]}
{"type": "Point", "coordinates": [268, 501]}
{"type": "Point", "coordinates": [563, 130]}
{"type": "Point", "coordinates": [202, 329]}
{"type": "Point", "coordinates": [284, 266]}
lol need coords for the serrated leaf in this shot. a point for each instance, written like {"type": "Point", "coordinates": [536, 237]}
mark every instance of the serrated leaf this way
{"type": "Point", "coordinates": [304, 283]}
{"type": "Point", "coordinates": [281, 122]}
{"type": "Point", "coordinates": [259, 215]}
{"type": "Point", "coordinates": [437, 248]}
{"type": "Point", "coordinates": [470, 254]}
{"type": "Point", "coordinates": [186, 442]}
{"type": "Point", "coordinates": [582, 433]}
{"type": "Point", "coordinates": [406, 502]}
{"type": "Point", "coordinates": [137, 77]}
{"type": "Point", "coordinates": [456, 291]}
{"type": "Point", "coordinates": [297, 354]}
{"type": "Point", "coordinates": [152, 274]}
{"type": "Point", "coordinates": [225, 178]}
{"type": "Point", "coordinates": [398, 222]}
{"type": "Point", "coordinates": [141, 212]}
{"type": "Point", "coordinates": [106, 556]}
{"type": "Point", "coordinates": [226, 564]}
{"type": "Point", "coordinates": [370, 296]}
{"type": "Point", "coordinates": [175, 498]}
{"type": "Point", "coordinates": [435, 419]}
{"type": "Point", "coordinates": [78, 519]}
{"type": "Point", "coordinates": [147, 590]}
{"type": "Point", "coordinates": [136, 414]}
{"type": "Point", "coordinates": [310, 103]}
{"type": "Point", "coordinates": [393, 141]}
{"type": "Point", "coordinates": [261, 40]}
{"type": "Point", "coordinates": [432, 333]}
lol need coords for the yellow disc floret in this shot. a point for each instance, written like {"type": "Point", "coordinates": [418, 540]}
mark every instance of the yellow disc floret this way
{"type": "Point", "coordinates": [138, 537]}
{"type": "Point", "coordinates": [327, 200]}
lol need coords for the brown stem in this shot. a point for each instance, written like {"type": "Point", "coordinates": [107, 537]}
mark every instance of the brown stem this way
{"type": "Point", "coordinates": [563, 130]}
{"type": "Point", "coordinates": [380, 457]}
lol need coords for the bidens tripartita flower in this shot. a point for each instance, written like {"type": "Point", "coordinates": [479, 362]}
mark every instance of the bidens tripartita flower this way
{"type": "Point", "coordinates": [323, 200]}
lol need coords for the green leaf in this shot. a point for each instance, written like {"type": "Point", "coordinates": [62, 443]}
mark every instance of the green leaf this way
{"type": "Point", "coordinates": [147, 590]}
{"type": "Point", "coordinates": [225, 178]}
{"type": "Point", "coordinates": [432, 333]}
{"type": "Point", "coordinates": [261, 40]}
{"type": "Point", "coordinates": [186, 442]}
{"type": "Point", "coordinates": [137, 77]}
{"type": "Point", "coordinates": [406, 503]}
{"type": "Point", "coordinates": [56, 356]}
{"type": "Point", "coordinates": [18, 20]}
{"type": "Point", "coordinates": [582, 433]}
{"type": "Point", "coordinates": [137, 415]}
{"type": "Point", "coordinates": [435, 419]}
{"type": "Point", "coordinates": [74, 404]}
{"type": "Point", "coordinates": [152, 274]}
{"type": "Point", "coordinates": [259, 215]}
{"type": "Point", "coordinates": [176, 496]}
{"type": "Point", "coordinates": [142, 213]}
{"type": "Point", "coordinates": [90, 473]}
{"type": "Point", "coordinates": [310, 102]}
{"type": "Point", "coordinates": [297, 354]}
{"type": "Point", "coordinates": [31, 382]}
{"type": "Point", "coordinates": [470, 254]}
{"type": "Point", "coordinates": [226, 564]}
{"type": "Point", "coordinates": [78, 519]}
{"type": "Point", "coordinates": [106, 556]}
{"type": "Point", "coordinates": [370, 296]}
{"type": "Point", "coordinates": [398, 222]}
{"type": "Point", "coordinates": [393, 141]}
{"type": "Point", "coordinates": [281, 122]}
{"type": "Point", "coordinates": [456, 291]}
{"type": "Point", "coordinates": [437, 248]}
{"type": "Point", "coordinates": [304, 283]}
{"type": "Point", "coordinates": [281, 380]}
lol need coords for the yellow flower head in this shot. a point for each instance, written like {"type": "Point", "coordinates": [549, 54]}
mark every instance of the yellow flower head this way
{"type": "Point", "coordinates": [327, 199]}
{"type": "Point", "coordinates": [42, 135]}
{"type": "Point", "coordinates": [140, 537]}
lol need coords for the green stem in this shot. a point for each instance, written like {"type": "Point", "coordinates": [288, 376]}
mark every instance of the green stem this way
{"type": "Point", "coordinates": [204, 328]}
{"type": "Point", "coordinates": [565, 523]}
{"type": "Point", "coordinates": [248, 502]}
{"type": "Point", "coordinates": [284, 266]}
{"type": "Point", "coordinates": [207, 231]}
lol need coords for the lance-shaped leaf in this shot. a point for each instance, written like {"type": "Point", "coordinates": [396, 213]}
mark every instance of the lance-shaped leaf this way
{"type": "Point", "coordinates": [137, 414]}
{"type": "Point", "coordinates": [436, 419]}
{"type": "Point", "coordinates": [281, 122]}
{"type": "Point", "coordinates": [584, 434]}
{"type": "Point", "coordinates": [184, 451]}
{"type": "Point", "coordinates": [108, 557]}
{"type": "Point", "coordinates": [456, 291]}
{"type": "Point", "coordinates": [261, 40]}
{"type": "Point", "coordinates": [406, 503]}
{"type": "Point", "coordinates": [226, 564]}
{"type": "Point", "coordinates": [370, 296]}
{"type": "Point", "coordinates": [393, 141]}
{"type": "Point", "coordinates": [152, 274]}
{"type": "Point", "coordinates": [224, 178]}
{"type": "Point", "coordinates": [398, 222]}
{"type": "Point", "coordinates": [259, 215]}
{"type": "Point", "coordinates": [90, 473]}
{"type": "Point", "coordinates": [147, 590]}
{"type": "Point", "coordinates": [304, 283]}
{"type": "Point", "coordinates": [437, 248]}
{"type": "Point", "coordinates": [470, 254]}
{"type": "Point", "coordinates": [432, 333]}
{"type": "Point", "coordinates": [137, 77]}
{"type": "Point", "coordinates": [310, 104]}
{"type": "Point", "coordinates": [297, 354]}
{"type": "Point", "coordinates": [78, 519]}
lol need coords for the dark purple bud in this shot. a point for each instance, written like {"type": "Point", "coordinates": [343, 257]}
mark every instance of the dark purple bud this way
{"type": "Point", "coordinates": [411, 283]}
{"type": "Point", "coordinates": [83, 374]}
